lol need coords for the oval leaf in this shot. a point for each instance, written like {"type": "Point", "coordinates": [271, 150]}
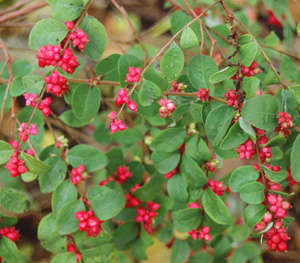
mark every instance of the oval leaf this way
{"type": "Point", "coordinates": [67, 10]}
{"type": "Point", "coordinates": [252, 193]}
{"type": "Point", "coordinates": [223, 74]}
{"type": "Point", "coordinates": [242, 176]}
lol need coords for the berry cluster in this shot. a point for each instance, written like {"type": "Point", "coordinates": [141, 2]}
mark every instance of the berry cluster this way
{"type": "Point", "coordinates": [116, 124]}
{"type": "Point", "coordinates": [248, 71]}
{"type": "Point", "coordinates": [246, 150]}
{"type": "Point", "coordinates": [213, 164]}
{"type": "Point", "coordinates": [268, 183]}
{"type": "Point", "coordinates": [68, 62]}
{"type": "Point", "coordinates": [277, 206]}
{"type": "Point", "coordinates": [89, 223]}
{"type": "Point", "coordinates": [133, 74]}
{"type": "Point", "coordinates": [48, 55]}
{"type": "Point", "coordinates": [31, 100]}
{"type": "Point", "coordinates": [277, 237]}
{"type": "Point", "coordinates": [57, 84]}
{"type": "Point", "coordinates": [146, 215]}
{"type": "Point", "coordinates": [167, 107]}
{"type": "Point", "coordinates": [178, 87]}
{"type": "Point", "coordinates": [232, 98]}
{"type": "Point", "coordinates": [31, 129]}
{"type": "Point", "coordinates": [272, 19]}
{"type": "Point", "coordinates": [11, 233]}
{"type": "Point", "coordinates": [121, 176]}
{"type": "Point", "coordinates": [203, 94]}
{"type": "Point", "coordinates": [16, 166]}
{"type": "Point", "coordinates": [78, 174]}
{"type": "Point", "coordinates": [132, 201]}
{"type": "Point", "coordinates": [79, 39]}
{"type": "Point", "coordinates": [200, 233]}
{"type": "Point", "coordinates": [285, 122]}
{"type": "Point", "coordinates": [216, 186]}
{"type": "Point", "coordinates": [123, 98]}
{"type": "Point", "coordinates": [72, 249]}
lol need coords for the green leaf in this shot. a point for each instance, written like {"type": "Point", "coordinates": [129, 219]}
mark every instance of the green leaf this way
{"type": "Point", "coordinates": [295, 159]}
{"type": "Point", "coordinates": [69, 118]}
{"type": "Point", "coordinates": [271, 78]}
{"type": "Point", "coordinates": [6, 151]}
{"type": "Point", "coordinates": [151, 189]}
{"type": "Point", "coordinates": [223, 74]}
{"type": "Point", "coordinates": [64, 193]}
{"type": "Point", "coordinates": [47, 31]}
{"type": "Point", "coordinates": [148, 93]}
{"type": "Point", "coordinates": [103, 254]}
{"type": "Point", "coordinates": [124, 63]}
{"type": "Point", "coordinates": [10, 253]}
{"type": "Point", "coordinates": [172, 62]}
{"type": "Point", "coordinates": [242, 176]}
{"type": "Point", "coordinates": [92, 158]}
{"type": "Point", "coordinates": [234, 138]}
{"type": "Point", "coordinates": [254, 214]}
{"type": "Point", "coordinates": [83, 242]}
{"type": "Point", "coordinates": [272, 40]}
{"type": "Point", "coordinates": [201, 257]}
{"type": "Point", "coordinates": [296, 91]}
{"type": "Point", "coordinates": [188, 39]}
{"type": "Point", "coordinates": [217, 123]}
{"type": "Point", "coordinates": [200, 69]}
{"type": "Point", "coordinates": [66, 221]}
{"type": "Point", "coordinates": [203, 150]}
{"type": "Point", "coordinates": [165, 162]}
{"type": "Point", "coordinates": [108, 67]}
{"type": "Point", "coordinates": [180, 251]}
{"type": "Point", "coordinates": [261, 112]}
{"type": "Point", "coordinates": [177, 188]}
{"type": "Point", "coordinates": [154, 75]}
{"type": "Point", "coordinates": [193, 174]}
{"type": "Point", "coordinates": [250, 86]}
{"type": "Point", "coordinates": [275, 176]}
{"type": "Point", "coordinates": [65, 257]}
{"type": "Point", "coordinates": [50, 180]}
{"type": "Point", "coordinates": [288, 68]}
{"type": "Point", "coordinates": [252, 193]}
{"type": "Point", "coordinates": [33, 84]}
{"type": "Point", "coordinates": [125, 233]}
{"type": "Point", "coordinates": [187, 219]}
{"type": "Point", "coordinates": [47, 228]}
{"type": "Point", "coordinates": [17, 88]}
{"type": "Point", "coordinates": [108, 203]}
{"type": "Point", "coordinates": [246, 126]}
{"type": "Point", "coordinates": [67, 10]}
{"type": "Point", "coordinates": [215, 208]}
{"type": "Point", "coordinates": [139, 246]}
{"type": "Point", "coordinates": [86, 102]}
{"type": "Point", "coordinates": [248, 53]}
{"type": "Point", "coordinates": [97, 37]}
{"type": "Point", "coordinates": [168, 140]}
{"type": "Point", "coordinates": [34, 165]}
{"type": "Point", "coordinates": [14, 200]}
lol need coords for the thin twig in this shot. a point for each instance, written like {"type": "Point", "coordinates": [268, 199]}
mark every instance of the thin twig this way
{"type": "Point", "coordinates": [15, 6]}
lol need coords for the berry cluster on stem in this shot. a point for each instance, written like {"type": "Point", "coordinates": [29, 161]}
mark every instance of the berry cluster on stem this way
{"type": "Point", "coordinates": [78, 174]}
{"type": "Point", "coordinates": [167, 108]}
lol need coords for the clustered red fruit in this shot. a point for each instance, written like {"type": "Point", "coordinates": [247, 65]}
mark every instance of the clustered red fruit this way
{"type": "Point", "coordinates": [232, 98]}
{"type": "Point", "coordinates": [213, 164]}
{"type": "Point", "coordinates": [123, 98]}
{"type": "Point", "coordinates": [31, 100]}
{"type": "Point", "coordinates": [68, 62]}
{"type": "Point", "coordinates": [167, 107]}
{"type": "Point", "coordinates": [178, 87]}
{"type": "Point", "coordinates": [89, 223]}
{"type": "Point", "coordinates": [116, 124]}
{"type": "Point", "coordinates": [79, 39]}
{"type": "Point", "coordinates": [48, 55]}
{"type": "Point", "coordinates": [78, 174]}
{"type": "Point", "coordinates": [285, 122]}
{"type": "Point", "coordinates": [146, 214]}
{"type": "Point", "coordinates": [200, 233]}
{"type": "Point", "coordinates": [246, 150]}
{"type": "Point", "coordinates": [273, 20]}
{"type": "Point", "coordinates": [276, 237]}
{"type": "Point", "coordinates": [133, 75]}
{"type": "Point", "coordinates": [16, 166]}
{"type": "Point", "coordinates": [31, 130]}
{"type": "Point", "coordinates": [248, 71]}
{"type": "Point", "coordinates": [11, 233]}
{"type": "Point", "coordinates": [217, 187]}
{"type": "Point", "coordinates": [121, 176]}
{"type": "Point", "coordinates": [132, 201]}
{"type": "Point", "coordinates": [57, 84]}
{"type": "Point", "coordinates": [203, 94]}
